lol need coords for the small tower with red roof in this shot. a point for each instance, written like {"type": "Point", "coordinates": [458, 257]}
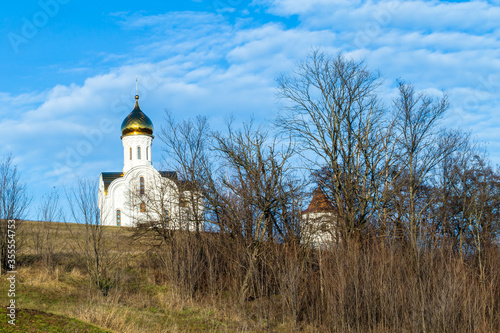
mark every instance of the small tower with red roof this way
{"type": "Point", "coordinates": [318, 221]}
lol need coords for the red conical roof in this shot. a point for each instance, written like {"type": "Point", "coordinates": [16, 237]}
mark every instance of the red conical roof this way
{"type": "Point", "coordinates": [319, 203]}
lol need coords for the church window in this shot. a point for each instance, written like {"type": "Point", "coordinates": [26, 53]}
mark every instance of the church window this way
{"type": "Point", "coordinates": [118, 217]}
{"type": "Point", "coordinates": [131, 153]}
{"type": "Point", "coordinates": [141, 185]}
{"type": "Point", "coordinates": [183, 202]}
{"type": "Point", "coordinates": [147, 153]}
{"type": "Point", "coordinates": [324, 227]}
{"type": "Point", "coordinates": [138, 153]}
{"type": "Point", "coordinates": [166, 216]}
{"type": "Point", "coordinates": [143, 207]}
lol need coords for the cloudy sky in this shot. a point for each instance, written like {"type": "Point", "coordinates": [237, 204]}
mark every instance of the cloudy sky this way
{"type": "Point", "coordinates": [68, 67]}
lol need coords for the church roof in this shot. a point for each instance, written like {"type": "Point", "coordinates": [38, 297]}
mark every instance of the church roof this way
{"type": "Point", "coordinates": [108, 177]}
{"type": "Point", "coordinates": [169, 174]}
{"type": "Point", "coordinates": [319, 203]}
{"type": "Point", "coordinates": [137, 123]}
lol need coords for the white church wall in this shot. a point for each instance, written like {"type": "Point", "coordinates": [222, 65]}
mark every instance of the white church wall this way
{"type": "Point", "coordinates": [160, 197]}
{"type": "Point", "coordinates": [318, 229]}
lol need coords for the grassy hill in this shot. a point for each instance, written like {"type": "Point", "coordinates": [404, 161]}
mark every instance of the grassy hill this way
{"type": "Point", "coordinates": [38, 321]}
{"type": "Point", "coordinates": [58, 297]}
{"type": "Point", "coordinates": [187, 282]}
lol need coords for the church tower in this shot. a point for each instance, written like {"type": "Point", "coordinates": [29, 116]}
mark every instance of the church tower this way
{"type": "Point", "coordinates": [137, 138]}
{"type": "Point", "coordinates": [140, 194]}
{"type": "Point", "coordinates": [319, 221]}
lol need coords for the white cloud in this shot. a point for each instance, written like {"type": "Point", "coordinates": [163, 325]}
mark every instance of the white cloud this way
{"type": "Point", "coordinates": [476, 16]}
{"type": "Point", "coordinates": [200, 63]}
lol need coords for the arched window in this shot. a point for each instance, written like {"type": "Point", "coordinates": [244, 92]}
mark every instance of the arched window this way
{"type": "Point", "coordinates": [166, 216]}
{"type": "Point", "coordinates": [118, 217]}
{"type": "Point", "coordinates": [143, 207]}
{"type": "Point", "coordinates": [141, 185]}
{"type": "Point", "coordinates": [147, 153]}
{"type": "Point", "coordinates": [138, 153]}
{"type": "Point", "coordinates": [131, 153]}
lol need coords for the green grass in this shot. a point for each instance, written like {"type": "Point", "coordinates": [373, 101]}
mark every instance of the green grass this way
{"type": "Point", "coordinates": [29, 320]}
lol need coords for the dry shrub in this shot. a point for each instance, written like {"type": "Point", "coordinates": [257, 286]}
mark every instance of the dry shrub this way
{"type": "Point", "coordinates": [363, 287]}
{"type": "Point", "coordinates": [371, 286]}
{"type": "Point", "coordinates": [112, 317]}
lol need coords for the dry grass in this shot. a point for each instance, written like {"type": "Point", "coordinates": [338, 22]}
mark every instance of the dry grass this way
{"type": "Point", "coordinates": [194, 283]}
{"type": "Point", "coordinates": [135, 304]}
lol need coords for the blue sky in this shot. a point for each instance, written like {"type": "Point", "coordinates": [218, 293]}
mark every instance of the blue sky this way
{"type": "Point", "coordinates": [68, 67]}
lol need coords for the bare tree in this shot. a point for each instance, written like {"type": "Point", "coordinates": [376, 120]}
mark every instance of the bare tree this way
{"type": "Point", "coordinates": [93, 244]}
{"type": "Point", "coordinates": [421, 146]}
{"type": "Point", "coordinates": [257, 170]}
{"type": "Point", "coordinates": [247, 184]}
{"type": "Point", "coordinates": [470, 203]}
{"type": "Point", "coordinates": [45, 234]}
{"type": "Point", "coordinates": [14, 202]}
{"type": "Point", "coordinates": [186, 151]}
{"type": "Point", "coordinates": [332, 109]}
{"type": "Point", "coordinates": [262, 199]}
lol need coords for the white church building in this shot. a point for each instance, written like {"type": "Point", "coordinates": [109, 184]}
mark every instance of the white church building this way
{"type": "Point", "coordinates": [140, 194]}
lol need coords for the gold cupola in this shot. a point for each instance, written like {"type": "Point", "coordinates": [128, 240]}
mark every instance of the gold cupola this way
{"type": "Point", "coordinates": [137, 123]}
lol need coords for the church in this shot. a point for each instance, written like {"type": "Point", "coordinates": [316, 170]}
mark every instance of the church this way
{"type": "Point", "coordinates": [140, 194]}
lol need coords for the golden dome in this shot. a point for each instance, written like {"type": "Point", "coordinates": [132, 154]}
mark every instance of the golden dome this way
{"type": "Point", "coordinates": [137, 123]}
